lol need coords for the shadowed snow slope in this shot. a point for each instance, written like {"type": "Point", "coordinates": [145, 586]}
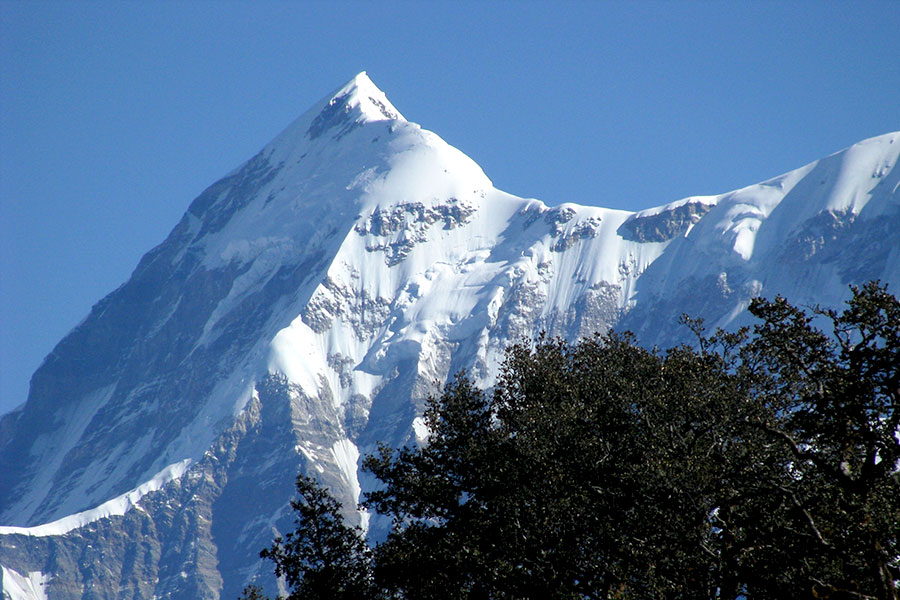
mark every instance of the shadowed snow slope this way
{"type": "Point", "coordinates": [308, 303]}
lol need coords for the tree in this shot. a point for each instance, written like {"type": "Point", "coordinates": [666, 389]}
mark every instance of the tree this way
{"type": "Point", "coordinates": [324, 557]}
{"type": "Point", "coordinates": [758, 464]}
{"type": "Point", "coordinates": [837, 400]}
{"type": "Point", "coordinates": [585, 475]}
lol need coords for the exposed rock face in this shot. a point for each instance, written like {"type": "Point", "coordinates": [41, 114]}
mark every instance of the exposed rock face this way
{"type": "Point", "coordinates": [308, 303]}
{"type": "Point", "coordinates": [179, 543]}
{"type": "Point", "coordinates": [664, 225]}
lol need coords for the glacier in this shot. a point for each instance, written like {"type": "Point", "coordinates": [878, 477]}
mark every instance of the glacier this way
{"type": "Point", "coordinates": [309, 302]}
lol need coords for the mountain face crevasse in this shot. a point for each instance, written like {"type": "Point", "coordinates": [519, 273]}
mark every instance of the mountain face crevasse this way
{"type": "Point", "coordinates": [307, 304]}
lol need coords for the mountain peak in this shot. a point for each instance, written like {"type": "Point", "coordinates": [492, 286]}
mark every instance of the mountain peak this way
{"type": "Point", "coordinates": [372, 101]}
{"type": "Point", "coordinates": [358, 101]}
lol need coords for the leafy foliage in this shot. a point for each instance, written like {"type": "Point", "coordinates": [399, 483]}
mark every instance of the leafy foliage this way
{"type": "Point", "coordinates": [838, 400]}
{"type": "Point", "coordinates": [756, 465]}
{"type": "Point", "coordinates": [323, 557]}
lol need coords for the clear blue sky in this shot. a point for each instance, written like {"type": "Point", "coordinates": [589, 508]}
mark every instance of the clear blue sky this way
{"type": "Point", "coordinates": [115, 115]}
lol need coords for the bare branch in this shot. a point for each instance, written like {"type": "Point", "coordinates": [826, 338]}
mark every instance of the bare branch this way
{"type": "Point", "coordinates": [809, 520]}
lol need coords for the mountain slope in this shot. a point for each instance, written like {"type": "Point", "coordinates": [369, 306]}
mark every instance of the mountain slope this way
{"type": "Point", "coordinates": [309, 301]}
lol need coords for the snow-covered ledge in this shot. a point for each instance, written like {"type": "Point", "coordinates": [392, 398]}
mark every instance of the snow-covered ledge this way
{"type": "Point", "coordinates": [116, 507]}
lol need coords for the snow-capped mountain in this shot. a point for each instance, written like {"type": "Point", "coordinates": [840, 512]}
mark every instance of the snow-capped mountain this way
{"type": "Point", "coordinates": [308, 303]}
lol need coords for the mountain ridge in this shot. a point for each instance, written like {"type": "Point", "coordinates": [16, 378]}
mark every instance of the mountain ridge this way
{"type": "Point", "coordinates": [308, 302]}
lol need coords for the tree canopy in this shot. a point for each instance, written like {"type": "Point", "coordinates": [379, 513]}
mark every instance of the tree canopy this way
{"type": "Point", "coordinates": [760, 463]}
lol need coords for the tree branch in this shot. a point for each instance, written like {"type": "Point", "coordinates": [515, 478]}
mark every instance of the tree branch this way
{"type": "Point", "coordinates": [845, 481]}
{"type": "Point", "coordinates": [809, 520]}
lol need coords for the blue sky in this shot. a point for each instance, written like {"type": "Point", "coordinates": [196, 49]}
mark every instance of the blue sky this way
{"type": "Point", "coordinates": [115, 115]}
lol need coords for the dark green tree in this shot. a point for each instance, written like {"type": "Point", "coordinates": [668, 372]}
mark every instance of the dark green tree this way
{"type": "Point", "coordinates": [836, 401]}
{"type": "Point", "coordinates": [585, 475]}
{"type": "Point", "coordinates": [758, 464]}
{"type": "Point", "coordinates": [323, 558]}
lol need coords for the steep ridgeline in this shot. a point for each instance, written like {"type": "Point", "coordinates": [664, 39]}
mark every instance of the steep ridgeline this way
{"type": "Point", "coordinates": [308, 303]}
